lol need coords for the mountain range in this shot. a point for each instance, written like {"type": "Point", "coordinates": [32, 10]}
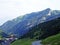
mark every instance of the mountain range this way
{"type": "Point", "coordinates": [22, 25]}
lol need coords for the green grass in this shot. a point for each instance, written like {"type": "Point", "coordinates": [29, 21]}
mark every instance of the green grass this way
{"type": "Point", "coordinates": [26, 41]}
{"type": "Point", "coordinates": [53, 40]}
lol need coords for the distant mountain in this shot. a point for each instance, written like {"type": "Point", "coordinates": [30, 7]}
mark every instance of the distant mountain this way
{"type": "Point", "coordinates": [21, 25]}
{"type": "Point", "coordinates": [9, 24]}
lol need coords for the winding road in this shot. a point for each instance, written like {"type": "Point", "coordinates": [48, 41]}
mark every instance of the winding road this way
{"type": "Point", "coordinates": [37, 42]}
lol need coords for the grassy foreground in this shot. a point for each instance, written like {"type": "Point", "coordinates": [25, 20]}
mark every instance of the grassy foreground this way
{"type": "Point", "coordinates": [53, 40]}
{"type": "Point", "coordinates": [23, 42]}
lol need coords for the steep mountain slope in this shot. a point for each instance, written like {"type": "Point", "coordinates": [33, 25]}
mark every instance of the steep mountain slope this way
{"type": "Point", "coordinates": [9, 24]}
{"type": "Point", "coordinates": [21, 26]}
{"type": "Point", "coordinates": [29, 22]}
{"type": "Point", "coordinates": [42, 31]}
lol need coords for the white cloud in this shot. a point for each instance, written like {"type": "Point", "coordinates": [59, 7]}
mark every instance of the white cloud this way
{"type": "Point", "coordinates": [10, 9]}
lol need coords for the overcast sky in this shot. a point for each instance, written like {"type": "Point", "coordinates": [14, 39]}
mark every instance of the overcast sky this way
{"type": "Point", "coordinates": [10, 9]}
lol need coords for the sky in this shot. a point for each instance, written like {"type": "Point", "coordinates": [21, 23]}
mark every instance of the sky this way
{"type": "Point", "coordinates": [10, 9]}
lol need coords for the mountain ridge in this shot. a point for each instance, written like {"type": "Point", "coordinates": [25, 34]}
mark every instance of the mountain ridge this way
{"type": "Point", "coordinates": [31, 20]}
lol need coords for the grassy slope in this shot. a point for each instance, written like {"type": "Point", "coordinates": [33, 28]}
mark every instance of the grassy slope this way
{"type": "Point", "coordinates": [26, 41]}
{"type": "Point", "coordinates": [53, 40]}
{"type": "Point", "coordinates": [23, 42]}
